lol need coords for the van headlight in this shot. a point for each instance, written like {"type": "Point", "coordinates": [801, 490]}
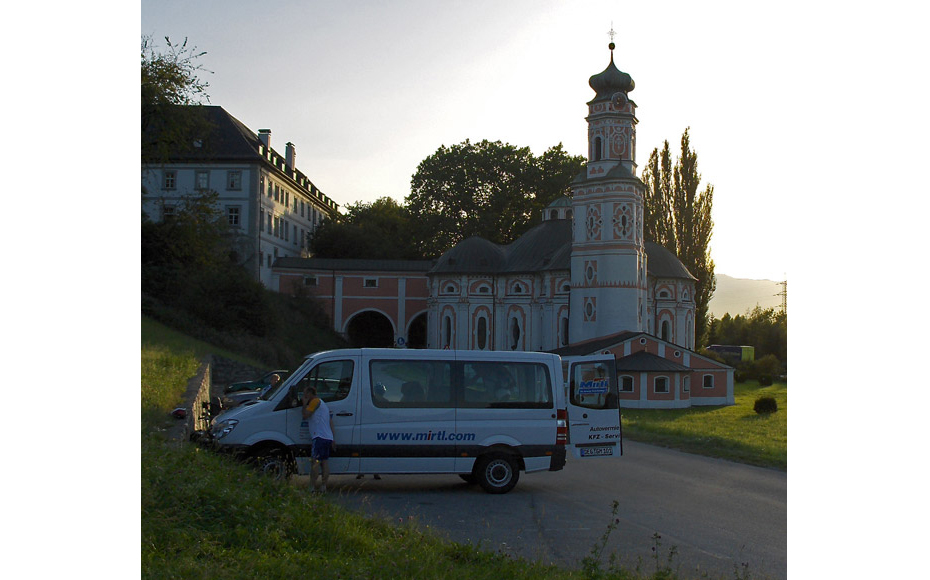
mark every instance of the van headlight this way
{"type": "Point", "coordinates": [224, 428]}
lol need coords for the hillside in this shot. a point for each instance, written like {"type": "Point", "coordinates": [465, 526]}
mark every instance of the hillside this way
{"type": "Point", "coordinates": [737, 295]}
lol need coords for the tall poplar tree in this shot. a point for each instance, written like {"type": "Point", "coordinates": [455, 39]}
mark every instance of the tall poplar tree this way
{"type": "Point", "coordinates": [678, 216]}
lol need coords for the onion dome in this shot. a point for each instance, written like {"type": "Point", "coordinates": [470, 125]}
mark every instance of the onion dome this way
{"type": "Point", "coordinates": [611, 80]}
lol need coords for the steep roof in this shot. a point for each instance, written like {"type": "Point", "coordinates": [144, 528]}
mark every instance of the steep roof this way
{"type": "Point", "coordinates": [596, 345]}
{"type": "Point", "coordinates": [220, 138]}
{"type": "Point", "coordinates": [645, 362]}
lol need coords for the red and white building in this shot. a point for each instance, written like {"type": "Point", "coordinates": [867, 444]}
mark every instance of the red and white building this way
{"type": "Point", "coordinates": [583, 281]}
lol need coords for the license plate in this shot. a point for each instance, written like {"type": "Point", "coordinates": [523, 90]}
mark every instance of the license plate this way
{"type": "Point", "coordinates": [594, 451]}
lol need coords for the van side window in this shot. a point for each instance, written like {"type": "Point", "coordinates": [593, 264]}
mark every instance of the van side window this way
{"type": "Point", "coordinates": [332, 379]}
{"type": "Point", "coordinates": [506, 385]}
{"type": "Point", "coordinates": [411, 383]}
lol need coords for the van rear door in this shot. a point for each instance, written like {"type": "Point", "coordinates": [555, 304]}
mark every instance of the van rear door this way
{"type": "Point", "coordinates": [594, 428]}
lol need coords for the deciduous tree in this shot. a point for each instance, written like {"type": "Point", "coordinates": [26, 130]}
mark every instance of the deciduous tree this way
{"type": "Point", "coordinates": [490, 189]}
{"type": "Point", "coordinates": [678, 216]}
{"type": "Point", "coordinates": [377, 230]}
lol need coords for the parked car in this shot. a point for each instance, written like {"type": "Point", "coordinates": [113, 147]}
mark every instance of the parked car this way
{"type": "Point", "coordinates": [234, 399]}
{"type": "Point", "coordinates": [257, 384]}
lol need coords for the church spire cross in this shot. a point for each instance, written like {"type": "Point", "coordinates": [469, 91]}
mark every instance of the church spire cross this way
{"type": "Point", "coordinates": [611, 34]}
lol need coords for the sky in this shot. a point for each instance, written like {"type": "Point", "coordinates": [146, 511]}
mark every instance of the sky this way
{"type": "Point", "coordinates": [366, 90]}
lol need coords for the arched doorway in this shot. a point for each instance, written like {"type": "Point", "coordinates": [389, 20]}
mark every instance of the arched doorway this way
{"type": "Point", "coordinates": [416, 334]}
{"type": "Point", "coordinates": [370, 329]}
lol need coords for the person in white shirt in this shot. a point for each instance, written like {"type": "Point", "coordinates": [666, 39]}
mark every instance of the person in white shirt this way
{"type": "Point", "coordinates": [320, 423]}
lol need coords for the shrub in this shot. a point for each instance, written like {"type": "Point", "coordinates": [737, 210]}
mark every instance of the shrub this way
{"type": "Point", "coordinates": [765, 380]}
{"type": "Point", "coordinates": [765, 405]}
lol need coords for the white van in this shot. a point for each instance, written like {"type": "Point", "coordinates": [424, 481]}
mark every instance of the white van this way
{"type": "Point", "coordinates": [485, 416]}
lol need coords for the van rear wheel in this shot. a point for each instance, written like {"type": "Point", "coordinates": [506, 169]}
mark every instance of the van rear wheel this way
{"type": "Point", "coordinates": [497, 473]}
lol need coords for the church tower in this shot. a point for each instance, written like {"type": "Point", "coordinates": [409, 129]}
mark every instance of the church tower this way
{"type": "Point", "coordinates": [608, 260]}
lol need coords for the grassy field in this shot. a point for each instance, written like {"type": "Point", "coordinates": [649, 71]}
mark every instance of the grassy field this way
{"type": "Point", "coordinates": [735, 432]}
{"type": "Point", "coordinates": [206, 516]}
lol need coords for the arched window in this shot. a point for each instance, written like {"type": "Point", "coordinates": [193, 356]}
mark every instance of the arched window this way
{"type": "Point", "coordinates": [514, 334]}
{"type": "Point", "coordinates": [665, 330]}
{"type": "Point", "coordinates": [482, 333]}
{"type": "Point", "coordinates": [447, 332]}
{"type": "Point", "coordinates": [554, 214]}
{"type": "Point", "coordinates": [596, 154]}
{"type": "Point", "coordinates": [563, 331]}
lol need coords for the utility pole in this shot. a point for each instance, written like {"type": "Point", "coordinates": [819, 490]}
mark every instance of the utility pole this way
{"type": "Point", "coordinates": [784, 295]}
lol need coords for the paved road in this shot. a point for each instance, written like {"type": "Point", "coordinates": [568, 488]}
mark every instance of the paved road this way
{"type": "Point", "coordinates": [716, 513]}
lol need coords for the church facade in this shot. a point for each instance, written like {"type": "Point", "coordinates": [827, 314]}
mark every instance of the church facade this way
{"type": "Point", "coordinates": [583, 281]}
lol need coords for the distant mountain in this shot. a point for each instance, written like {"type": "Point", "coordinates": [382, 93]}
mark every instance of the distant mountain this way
{"type": "Point", "coordinates": [737, 295]}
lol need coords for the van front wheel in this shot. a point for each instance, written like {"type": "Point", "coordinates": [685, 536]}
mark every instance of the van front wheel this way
{"type": "Point", "coordinates": [497, 473]}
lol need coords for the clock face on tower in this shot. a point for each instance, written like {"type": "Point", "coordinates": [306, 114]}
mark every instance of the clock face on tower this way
{"type": "Point", "coordinates": [619, 100]}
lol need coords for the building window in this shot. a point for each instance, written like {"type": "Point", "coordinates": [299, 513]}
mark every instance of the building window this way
{"type": "Point", "coordinates": [708, 381]}
{"type": "Point", "coordinates": [232, 215]}
{"type": "Point", "coordinates": [296, 238]}
{"type": "Point", "coordinates": [261, 220]}
{"type": "Point", "coordinates": [168, 212]}
{"type": "Point", "coordinates": [661, 384]}
{"type": "Point", "coordinates": [269, 260]}
{"type": "Point", "coordinates": [597, 149]}
{"type": "Point", "coordinates": [665, 330]}
{"type": "Point", "coordinates": [447, 332]}
{"type": "Point", "coordinates": [270, 228]}
{"type": "Point", "coordinates": [310, 281]}
{"type": "Point", "coordinates": [170, 180]}
{"type": "Point", "coordinates": [563, 331]}
{"type": "Point", "coordinates": [261, 259]}
{"type": "Point", "coordinates": [234, 180]}
{"type": "Point", "coordinates": [269, 189]}
{"type": "Point", "coordinates": [686, 384]}
{"type": "Point", "coordinates": [626, 384]}
{"type": "Point", "coordinates": [202, 180]}
{"type": "Point", "coordinates": [514, 334]}
{"type": "Point", "coordinates": [371, 283]}
{"type": "Point", "coordinates": [482, 333]}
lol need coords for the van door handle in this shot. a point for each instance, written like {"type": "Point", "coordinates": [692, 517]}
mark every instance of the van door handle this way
{"type": "Point", "coordinates": [344, 414]}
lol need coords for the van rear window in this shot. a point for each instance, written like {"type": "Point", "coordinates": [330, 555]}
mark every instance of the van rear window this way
{"type": "Point", "coordinates": [506, 385]}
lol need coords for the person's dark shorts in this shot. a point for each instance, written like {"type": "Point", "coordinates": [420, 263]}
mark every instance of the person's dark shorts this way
{"type": "Point", "coordinates": [321, 449]}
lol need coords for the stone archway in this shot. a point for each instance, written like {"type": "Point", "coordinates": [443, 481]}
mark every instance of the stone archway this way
{"type": "Point", "coordinates": [370, 329]}
{"type": "Point", "coordinates": [416, 334]}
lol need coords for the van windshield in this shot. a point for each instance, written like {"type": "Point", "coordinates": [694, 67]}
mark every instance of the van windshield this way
{"type": "Point", "coordinates": [269, 394]}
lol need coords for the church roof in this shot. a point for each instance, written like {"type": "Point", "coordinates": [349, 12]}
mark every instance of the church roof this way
{"type": "Point", "coordinates": [619, 171]}
{"type": "Point", "coordinates": [546, 247]}
{"type": "Point", "coordinates": [661, 263]}
{"type": "Point", "coordinates": [348, 264]}
{"type": "Point", "coordinates": [561, 201]}
{"type": "Point", "coordinates": [611, 80]}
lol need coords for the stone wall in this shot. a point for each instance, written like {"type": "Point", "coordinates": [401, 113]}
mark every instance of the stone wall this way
{"type": "Point", "coordinates": [205, 389]}
{"type": "Point", "coordinates": [227, 371]}
{"type": "Point", "coordinates": [196, 403]}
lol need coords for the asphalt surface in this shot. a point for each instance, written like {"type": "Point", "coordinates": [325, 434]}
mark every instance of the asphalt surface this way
{"type": "Point", "coordinates": [716, 515]}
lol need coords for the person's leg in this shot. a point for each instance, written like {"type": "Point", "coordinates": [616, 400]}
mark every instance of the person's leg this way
{"type": "Point", "coordinates": [325, 468]}
{"type": "Point", "coordinates": [314, 473]}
